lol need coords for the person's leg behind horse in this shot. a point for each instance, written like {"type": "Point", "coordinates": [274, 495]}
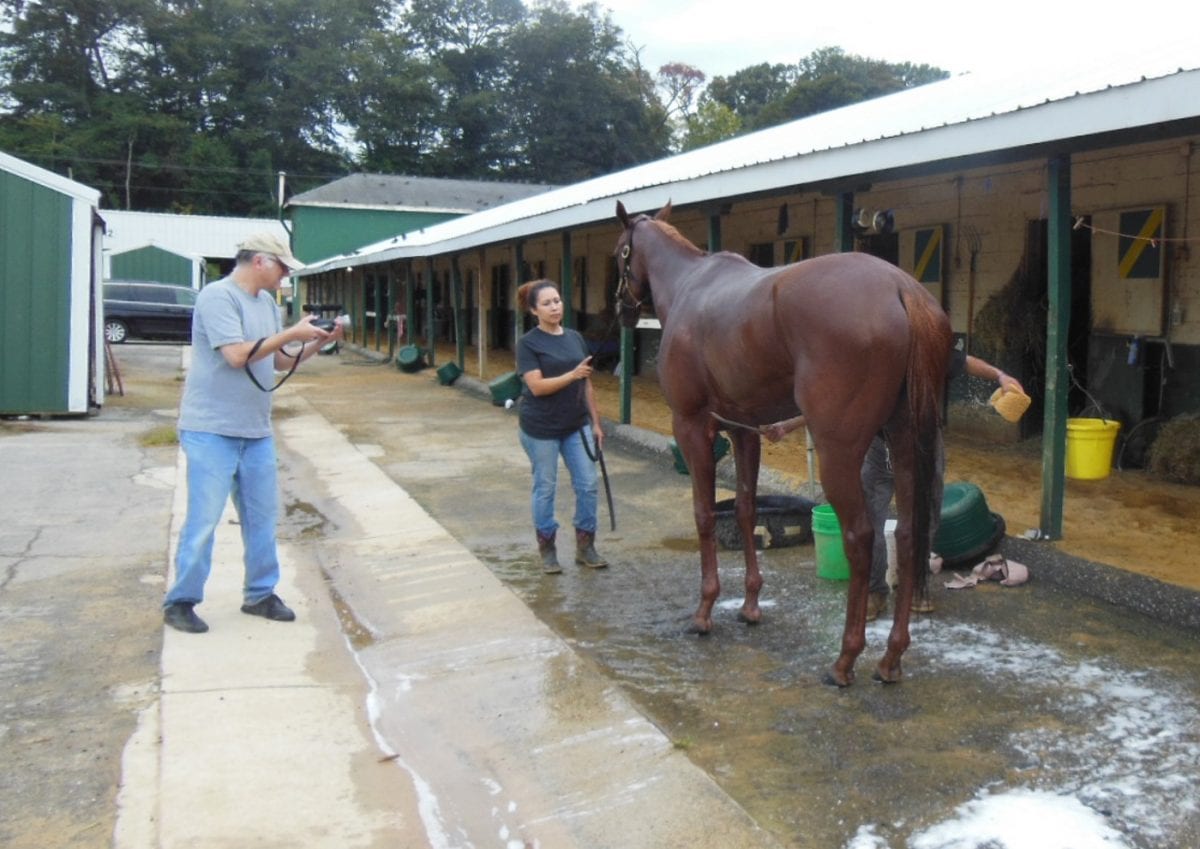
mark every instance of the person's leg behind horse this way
{"type": "Point", "coordinates": [923, 601]}
{"type": "Point", "coordinates": [543, 461]}
{"type": "Point", "coordinates": [747, 452]}
{"type": "Point", "coordinates": [578, 457]}
{"type": "Point", "coordinates": [879, 486]}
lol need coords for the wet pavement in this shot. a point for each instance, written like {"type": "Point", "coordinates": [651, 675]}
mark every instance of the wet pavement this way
{"type": "Point", "coordinates": [548, 711]}
{"type": "Point", "coordinates": [1027, 699]}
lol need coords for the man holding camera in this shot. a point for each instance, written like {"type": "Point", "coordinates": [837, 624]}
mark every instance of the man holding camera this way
{"type": "Point", "coordinates": [225, 427]}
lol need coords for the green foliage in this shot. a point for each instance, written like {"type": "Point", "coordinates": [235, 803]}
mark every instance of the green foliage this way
{"type": "Point", "coordinates": [713, 122]}
{"type": "Point", "coordinates": [765, 95]}
{"type": "Point", "coordinates": [196, 105]}
{"type": "Point", "coordinates": [583, 111]}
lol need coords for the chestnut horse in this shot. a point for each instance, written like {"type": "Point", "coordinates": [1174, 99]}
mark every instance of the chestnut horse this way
{"type": "Point", "coordinates": [850, 341]}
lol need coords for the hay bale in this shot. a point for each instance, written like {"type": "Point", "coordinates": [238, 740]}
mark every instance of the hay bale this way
{"type": "Point", "coordinates": [1175, 454]}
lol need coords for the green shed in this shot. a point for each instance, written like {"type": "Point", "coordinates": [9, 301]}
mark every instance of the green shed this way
{"type": "Point", "coordinates": [362, 209]}
{"type": "Point", "coordinates": [158, 265]}
{"type": "Point", "coordinates": [51, 348]}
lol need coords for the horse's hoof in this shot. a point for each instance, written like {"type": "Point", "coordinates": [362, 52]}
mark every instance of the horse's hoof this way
{"type": "Point", "coordinates": [752, 618]}
{"type": "Point", "coordinates": [700, 629]}
{"type": "Point", "coordinates": [832, 679]}
{"type": "Point", "coordinates": [887, 676]}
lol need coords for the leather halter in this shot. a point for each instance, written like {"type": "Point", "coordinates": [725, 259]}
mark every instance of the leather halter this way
{"type": "Point", "coordinates": [624, 291]}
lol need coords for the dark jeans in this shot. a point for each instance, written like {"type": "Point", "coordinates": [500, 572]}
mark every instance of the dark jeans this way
{"type": "Point", "coordinates": [879, 485]}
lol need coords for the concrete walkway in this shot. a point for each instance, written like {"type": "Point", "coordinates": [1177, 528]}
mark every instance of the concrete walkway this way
{"type": "Point", "coordinates": [469, 722]}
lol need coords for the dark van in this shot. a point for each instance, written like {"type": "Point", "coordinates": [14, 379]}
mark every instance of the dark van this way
{"type": "Point", "coordinates": [135, 309]}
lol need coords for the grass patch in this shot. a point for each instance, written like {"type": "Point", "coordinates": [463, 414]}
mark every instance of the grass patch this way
{"type": "Point", "coordinates": [161, 435]}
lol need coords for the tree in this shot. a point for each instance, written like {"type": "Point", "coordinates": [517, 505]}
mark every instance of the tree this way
{"type": "Point", "coordinates": [830, 78]}
{"type": "Point", "coordinates": [463, 44]}
{"type": "Point", "coordinates": [580, 109]}
{"type": "Point", "coordinates": [681, 85]}
{"type": "Point", "coordinates": [766, 95]}
{"type": "Point", "coordinates": [713, 122]}
{"type": "Point", "coordinates": [134, 81]}
{"type": "Point", "coordinates": [394, 107]}
{"type": "Point", "coordinates": [749, 91]}
{"type": "Point", "coordinates": [197, 104]}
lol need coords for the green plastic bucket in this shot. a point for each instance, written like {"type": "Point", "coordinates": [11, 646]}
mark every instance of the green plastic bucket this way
{"type": "Point", "coordinates": [721, 447]}
{"type": "Point", "coordinates": [448, 373]}
{"type": "Point", "coordinates": [827, 540]}
{"type": "Point", "coordinates": [506, 387]}
{"type": "Point", "coordinates": [409, 359]}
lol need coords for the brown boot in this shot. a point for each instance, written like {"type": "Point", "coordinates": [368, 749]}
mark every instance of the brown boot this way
{"type": "Point", "coordinates": [549, 553]}
{"type": "Point", "coordinates": [585, 550]}
{"type": "Point", "coordinates": [922, 603]}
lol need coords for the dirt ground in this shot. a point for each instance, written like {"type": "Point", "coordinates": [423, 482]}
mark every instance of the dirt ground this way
{"type": "Point", "coordinates": [1129, 519]}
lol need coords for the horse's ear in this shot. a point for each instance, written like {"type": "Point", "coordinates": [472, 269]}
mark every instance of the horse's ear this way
{"type": "Point", "coordinates": [664, 213]}
{"type": "Point", "coordinates": [622, 215]}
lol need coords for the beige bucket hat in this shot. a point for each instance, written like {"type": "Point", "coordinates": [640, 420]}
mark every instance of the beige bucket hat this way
{"type": "Point", "coordinates": [269, 243]}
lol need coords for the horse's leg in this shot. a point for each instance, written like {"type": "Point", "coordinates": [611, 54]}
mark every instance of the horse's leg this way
{"type": "Point", "coordinates": [695, 443]}
{"type": "Point", "coordinates": [841, 471]}
{"type": "Point", "coordinates": [889, 670]}
{"type": "Point", "coordinates": [910, 558]}
{"type": "Point", "coordinates": [747, 447]}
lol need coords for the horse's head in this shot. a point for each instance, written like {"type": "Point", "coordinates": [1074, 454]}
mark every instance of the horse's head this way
{"type": "Point", "coordinates": [633, 283]}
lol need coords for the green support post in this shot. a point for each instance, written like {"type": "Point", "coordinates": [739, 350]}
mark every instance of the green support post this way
{"type": "Point", "coordinates": [1058, 319]}
{"type": "Point", "coordinates": [430, 331]}
{"type": "Point", "coordinates": [460, 349]}
{"type": "Point", "coordinates": [410, 303]}
{"type": "Point", "coordinates": [518, 260]}
{"type": "Point", "coordinates": [568, 281]}
{"type": "Point", "coordinates": [379, 311]}
{"type": "Point", "coordinates": [843, 232]}
{"type": "Point", "coordinates": [391, 299]}
{"type": "Point", "coordinates": [626, 374]}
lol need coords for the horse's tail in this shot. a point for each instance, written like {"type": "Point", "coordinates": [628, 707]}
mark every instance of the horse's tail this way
{"type": "Point", "coordinates": [925, 381]}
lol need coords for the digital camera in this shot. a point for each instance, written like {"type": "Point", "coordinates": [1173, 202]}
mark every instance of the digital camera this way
{"type": "Point", "coordinates": [327, 324]}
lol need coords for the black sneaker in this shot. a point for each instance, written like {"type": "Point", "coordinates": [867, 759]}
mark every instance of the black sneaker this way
{"type": "Point", "coordinates": [181, 617]}
{"type": "Point", "coordinates": [271, 607]}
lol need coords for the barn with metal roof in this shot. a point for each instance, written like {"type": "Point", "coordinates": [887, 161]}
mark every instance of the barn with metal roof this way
{"type": "Point", "coordinates": [1051, 214]}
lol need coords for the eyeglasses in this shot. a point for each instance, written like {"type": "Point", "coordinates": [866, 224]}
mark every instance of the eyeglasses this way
{"type": "Point", "coordinates": [282, 265]}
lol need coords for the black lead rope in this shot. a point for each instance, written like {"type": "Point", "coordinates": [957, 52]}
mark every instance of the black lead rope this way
{"type": "Point", "coordinates": [599, 456]}
{"type": "Point", "coordinates": [291, 371]}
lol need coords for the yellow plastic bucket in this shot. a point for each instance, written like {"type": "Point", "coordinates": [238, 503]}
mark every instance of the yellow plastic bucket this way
{"type": "Point", "coordinates": [827, 540]}
{"type": "Point", "coordinates": [1090, 445]}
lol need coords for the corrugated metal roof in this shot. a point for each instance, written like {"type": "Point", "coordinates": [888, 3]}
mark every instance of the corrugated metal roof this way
{"type": "Point", "coordinates": [966, 115]}
{"type": "Point", "coordinates": [415, 194]}
{"type": "Point", "coordinates": [210, 236]}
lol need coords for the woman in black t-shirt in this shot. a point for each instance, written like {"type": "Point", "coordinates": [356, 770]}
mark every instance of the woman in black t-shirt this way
{"type": "Point", "coordinates": [558, 416]}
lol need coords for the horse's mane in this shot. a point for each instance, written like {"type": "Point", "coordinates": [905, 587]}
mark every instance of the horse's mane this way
{"type": "Point", "coordinates": [674, 235]}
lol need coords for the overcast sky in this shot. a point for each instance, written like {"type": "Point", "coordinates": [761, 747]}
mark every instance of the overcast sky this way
{"type": "Point", "coordinates": [723, 36]}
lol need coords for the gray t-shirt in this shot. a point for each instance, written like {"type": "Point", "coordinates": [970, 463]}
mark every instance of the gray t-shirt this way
{"type": "Point", "coordinates": [216, 397]}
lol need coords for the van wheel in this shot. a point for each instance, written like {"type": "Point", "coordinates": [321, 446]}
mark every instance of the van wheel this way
{"type": "Point", "coordinates": [115, 331]}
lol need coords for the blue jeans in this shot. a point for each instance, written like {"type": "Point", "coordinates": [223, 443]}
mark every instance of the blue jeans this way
{"type": "Point", "coordinates": [543, 456]}
{"type": "Point", "coordinates": [219, 467]}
